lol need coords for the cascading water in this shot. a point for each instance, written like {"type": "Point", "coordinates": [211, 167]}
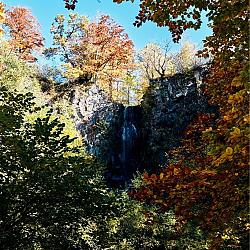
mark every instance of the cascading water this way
{"type": "Point", "coordinates": [129, 137]}
{"type": "Point", "coordinates": [125, 157]}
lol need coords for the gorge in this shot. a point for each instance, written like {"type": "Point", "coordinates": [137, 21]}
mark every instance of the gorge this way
{"type": "Point", "coordinates": [132, 138]}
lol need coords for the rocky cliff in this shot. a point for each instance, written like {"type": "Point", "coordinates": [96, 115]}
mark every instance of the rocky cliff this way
{"type": "Point", "coordinates": [168, 106]}
{"type": "Point", "coordinates": [99, 120]}
{"type": "Point", "coordinates": [132, 138]}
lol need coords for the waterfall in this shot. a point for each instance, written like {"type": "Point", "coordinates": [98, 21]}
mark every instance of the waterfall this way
{"type": "Point", "coordinates": [129, 137]}
{"type": "Point", "coordinates": [124, 156]}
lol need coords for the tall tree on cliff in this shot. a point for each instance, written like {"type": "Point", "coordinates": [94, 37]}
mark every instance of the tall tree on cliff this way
{"type": "Point", "coordinates": [156, 61]}
{"type": "Point", "coordinates": [98, 52]}
{"type": "Point", "coordinates": [187, 58]}
{"type": "Point", "coordinates": [24, 31]}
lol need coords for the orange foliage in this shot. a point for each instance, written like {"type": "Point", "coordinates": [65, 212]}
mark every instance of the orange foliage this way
{"type": "Point", "coordinates": [99, 51]}
{"type": "Point", "coordinates": [2, 16]}
{"type": "Point", "coordinates": [25, 36]}
{"type": "Point", "coordinates": [110, 51]}
{"type": "Point", "coordinates": [209, 181]}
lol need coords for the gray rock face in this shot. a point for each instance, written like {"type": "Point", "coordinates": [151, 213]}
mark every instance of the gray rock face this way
{"type": "Point", "coordinates": [169, 105]}
{"type": "Point", "coordinates": [110, 132]}
{"type": "Point", "coordinates": [128, 139]}
{"type": "Point", "coordinates": [95, 117]}
{"type": "Point", "coordinates": [87, 101]}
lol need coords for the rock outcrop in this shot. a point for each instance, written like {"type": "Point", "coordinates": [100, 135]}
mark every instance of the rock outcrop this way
{"type": "Point", "coordinates": [133, 138]}
{"type": "Point", "coordinates": [99, 121]}
{"type": "Point", "coordinates": [168, 106]}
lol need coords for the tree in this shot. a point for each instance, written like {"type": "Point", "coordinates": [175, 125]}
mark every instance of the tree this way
{"type": "Point", "coordinates": [93, 52]}
{"type": "Point", "coordinates": [186, 58]}
{"type": "Point", "coordinates": [2, 16]}
{"type": "Point", "coordinates": [16, 74]}
{"type": "Point", "coordinates": [129, 90]}
{"type": "Point", "coordinates": [52, 195]}
{"type": "Point", "coordinates": [156, 61]}
{"type": "Point", "coordinates": [209, 183]}
{"type": "Point", "coordinates": [50, 191]}
{"type": "Point", "coordinates": [211, 165]}
{"type": "Point", "coordinates": [227, 20]}
{"type": "Point", "coordinates": [25, 37]}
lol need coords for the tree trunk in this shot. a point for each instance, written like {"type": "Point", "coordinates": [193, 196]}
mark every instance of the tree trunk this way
{"type": "Point", "coordinates": [110, 91]}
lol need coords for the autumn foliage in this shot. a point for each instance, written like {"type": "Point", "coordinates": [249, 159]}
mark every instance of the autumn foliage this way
{"type": "Point", "coordinates": [23, 27]}
{"type": "Point", "coordinates": [98, 51]}
{"type": "Point", "coordinates": [208, 180]}
{"type": "Point", "coordinates": [2, 16]}
{"type": "Point", "coordinates": [205, 180]}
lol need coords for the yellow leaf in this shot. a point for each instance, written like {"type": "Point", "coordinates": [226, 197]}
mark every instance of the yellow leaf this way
{"type": "Point", "coordinates": [226, 118]}
{"type": "Point", "coordinates": [161, 176]}
{"type": "Point", "coordinates": [158, 201]}
{"type": "Point", "coordinates": [229, 151]}
{"type": "Point", "coordinates": [247, 118]}
{"type": "Point", "coordinates": [176, 171]}
{"type": "Point", "coordinates": [237, 82]}
{"type": "Point", "coordinates": [208, 130]}
{"type": "Point", "coordinates": [235, 134]}
{"type": "Point", "coordinates": [235, 98]}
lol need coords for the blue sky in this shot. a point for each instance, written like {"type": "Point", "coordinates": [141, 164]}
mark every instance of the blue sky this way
{"type": "Point", "coordinates": [124, 14]}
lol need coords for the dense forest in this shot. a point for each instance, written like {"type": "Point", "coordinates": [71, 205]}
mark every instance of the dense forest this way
{"type": "Point", "coordinates": [103, 146]}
